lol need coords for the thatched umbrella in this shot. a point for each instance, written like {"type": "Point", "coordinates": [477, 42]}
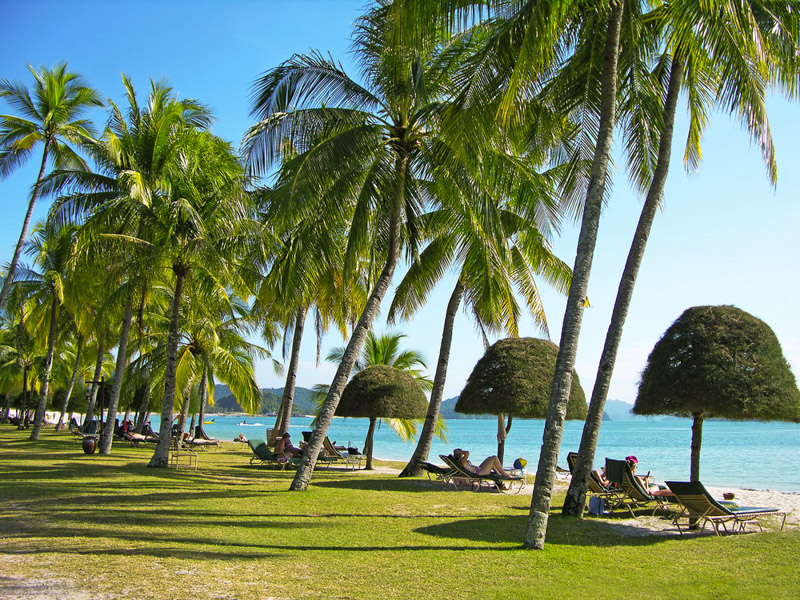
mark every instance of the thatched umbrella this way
{"type": "Point", "coordinates": [382, 391]}
{"type": "Point", "coordinates": [513, 377]}
{"type": "Point", "coordinates": [718, 361]}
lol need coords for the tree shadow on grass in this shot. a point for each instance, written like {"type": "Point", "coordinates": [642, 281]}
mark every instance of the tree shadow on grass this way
{"type": "Point", "coordinates": [380, 484]}
{"type": "Point", "coordinates": [560, 531]}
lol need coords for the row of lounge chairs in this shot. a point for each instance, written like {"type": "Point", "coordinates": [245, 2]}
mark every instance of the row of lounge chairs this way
{"type": "Point", "coordinates": [455, 475]}
{"type": "Point", "coordinates": [689, 504]}
{"type": "Point", "coordinates": [330, 454]}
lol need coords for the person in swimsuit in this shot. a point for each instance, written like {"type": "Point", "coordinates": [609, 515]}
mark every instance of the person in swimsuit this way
{"type": "Point", "coordinates": [489, 464]}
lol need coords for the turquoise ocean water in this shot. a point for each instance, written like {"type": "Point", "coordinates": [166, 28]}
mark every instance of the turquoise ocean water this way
{"type": "Point", "coordinates": [736, 454]}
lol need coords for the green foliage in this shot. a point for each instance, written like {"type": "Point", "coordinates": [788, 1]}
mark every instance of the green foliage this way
{"type": "Point", "coordinates": [383, 391]}
{"type": "Point", "coordinates": [514, 377]}
{"type": "Point", "coordinates": [719, 361]}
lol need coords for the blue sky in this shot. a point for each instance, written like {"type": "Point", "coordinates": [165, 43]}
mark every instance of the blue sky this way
{"type": "Point", "coordinates": [724, 237]}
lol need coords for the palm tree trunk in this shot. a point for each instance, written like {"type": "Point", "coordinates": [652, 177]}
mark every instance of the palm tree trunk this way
{"type": "Point", "coordinates": [412, 469]}
{"type": "Point", "coordinates": [119, 373]}
{"type": "Point", "coordinates": [71, 385]}
{"type": "Point", "coordinates": [368, 442]}
{"type": "Point", "coordinates": [697, 440]}
{"type": "Point", "coordinates": [201, 392]}
{"type": "Point", "coordinates": [25, 224]}
{"type": "Point", "coordinates": [576, 495]}
{"type": "Point", "coordinates": [98, 369]}
{"type": "Point", "coordinates": [47, 371]}
{"type": "Point", "coordinates": [570, 330]}
{"type": "Point", "coordinates": [6, 409]}
{"type": "Point", "coordinates": [20, 415]}
{"type": "Point", "coordinates": [502, 434]}
{"type": "Point", "coordinates": [160, 457]}
{"type": "Point", "coordinates": [285, 412]}
{"type": "Point", "coordinates": [306, 467]}
{"type": "Point", "coordinates": [142, 410]}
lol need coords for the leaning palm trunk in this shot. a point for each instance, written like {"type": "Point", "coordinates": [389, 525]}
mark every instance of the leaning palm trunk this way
{"type": "Point", "coordinates": [119, 372]}
{"type": "Point", "coordinates": [142, 411]}
{"type": "Point", "coordinates": [353, 349]}
{"type": "Point", "coordinates": [25, 225]}
{"type": "Point", "coordinates": [576, 495]}
{"type": "Point", "coordinates": [160, 458]}
{"type": "Point", "coordinates": [98, 370]}
{"type": "Point", "coordinates": [285, 412]}
{"type": "Point", "coordinates": [48, 369]}
{"type": "Point", "coordinates": [413, 468]}
{"type": "Point", "coordinates": [71, 385]}
{"type": "Point", "coordinates": [573, 315]}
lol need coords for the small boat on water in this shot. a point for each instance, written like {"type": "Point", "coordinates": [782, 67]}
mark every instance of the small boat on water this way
{"type": "Point", "coordinates": [246, 424]}
{"type": "Point", "coordinates": [208, 422]}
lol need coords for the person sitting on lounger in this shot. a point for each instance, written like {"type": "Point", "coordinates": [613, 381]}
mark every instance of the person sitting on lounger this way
{"type": "Point", "coordinates": [644, 480]}
{"type": "Point", "coordinates": [489, 465]}
{"type": "Point", "coordinates": [283, 447]}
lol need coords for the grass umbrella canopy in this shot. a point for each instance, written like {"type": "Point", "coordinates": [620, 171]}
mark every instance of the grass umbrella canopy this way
{"type": "Point", "coordinates": [513, 377]}
{"type": "Point", "coordinates": [718, 361]}
{"type": "Point", "coordinates": [383, 391]}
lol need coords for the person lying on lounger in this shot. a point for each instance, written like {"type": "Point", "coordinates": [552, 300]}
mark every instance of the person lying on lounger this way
{"type": "Point", "coordinates": [489, 465]}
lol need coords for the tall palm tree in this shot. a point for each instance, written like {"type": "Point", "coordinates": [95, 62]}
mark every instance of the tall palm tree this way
{"type": "Point", "coordinates": [201, 222]}
{"type": "Point", "coordinates": [717, 56]}
{"type": "Point", "coordinates": [360, 151]}
{"type": "Point", "coordinates": [499, 251]}
{"type": "Point", "coordinates": [46, 289]}
{"type": "Point", "coordinates": [48, 118]}
{"type": "Point", "coordinates": [306, 275]}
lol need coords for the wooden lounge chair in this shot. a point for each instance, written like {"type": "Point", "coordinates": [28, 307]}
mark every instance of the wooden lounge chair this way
{"type": "Point", "coordinates": [699, 505]}
{"type": "Point", "coordinates": [264, 456]}
{"type": "Point", "coordinates": [492, 480]}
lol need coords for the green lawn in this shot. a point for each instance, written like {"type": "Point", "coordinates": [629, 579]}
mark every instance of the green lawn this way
{"type": "Point", "coordinates": [83, 526]}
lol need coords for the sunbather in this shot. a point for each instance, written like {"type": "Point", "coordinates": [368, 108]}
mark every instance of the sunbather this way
{"type": "Point", "coordinates": [644, 480]}
{"type": "Point", "coordinates": [489, 465]}
{"type": "Point", "coordinates": [284, 448]}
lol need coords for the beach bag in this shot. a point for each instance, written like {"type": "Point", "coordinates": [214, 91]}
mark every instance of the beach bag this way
{"type": "Point", "coordinates": [597, 505]}
{"type": "Point", "coordinates": [353, 451]}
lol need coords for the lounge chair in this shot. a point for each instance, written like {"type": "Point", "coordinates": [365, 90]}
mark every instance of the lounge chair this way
{"type": "Point", "coordinates": [438, 472]}
{"type": "Point", "coordinates": [596, 486]}
{"type": "Point", "coordinates": [493, 480]}
{"type": "Point", "coordinates": [634, 495]}
{"type": "Point", "coordinates": [350, 460]}
{"type": "Point", "coordinates": [264, 456]}
{"type": "Point", "coordinates": [89, 430]}
{"type": "Point", "coordinates": [200, 434]}
{"type": "Point", "coordinates": [699, 505]}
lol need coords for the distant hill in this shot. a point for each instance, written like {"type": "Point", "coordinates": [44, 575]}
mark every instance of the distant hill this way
{"type": "Point", "coordinates": [617, 410]}
{"type": "Point", "coordinates": [270, 401]}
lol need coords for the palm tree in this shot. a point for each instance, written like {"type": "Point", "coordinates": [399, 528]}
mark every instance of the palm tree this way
{"type": "Point", "coordinates": [306, 275]}
{"type": "Point", "coordinates": [201, 223]}
{"type": "Point", "coordinates": [499, 251]}
{"type": "Point", "coordinates": [46, 290]}
{"type": "Point", "coordinates": [714, 56]}
{"type": "Point", "coordinates": [360, 150]}
{"type": "Point", "coordinates": [385, 350]}
{"type": "Point", "coordinates": [49, 118]}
